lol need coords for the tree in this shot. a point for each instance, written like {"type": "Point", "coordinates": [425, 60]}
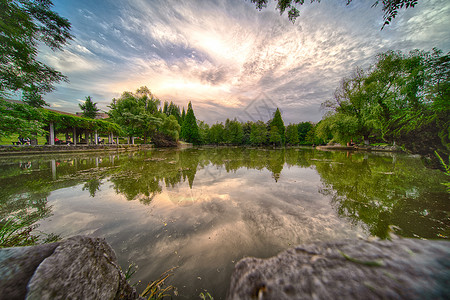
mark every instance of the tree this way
{"type": "Point", "coordinates": [136, 113]}
{"type": "Point", "coordinates": [167, 133]}
{"type": "Point", "coordinates": [390, 7]}
{"type": "Point", "coordinates": [25, 24]}
{"type": "Point", "coordinates": [89, 108]}
{"type": "Point", "coordinates": [303, 129]}
{"type": "Point", "coordinates": [274, 136]}
{"type": "Point", "coordinates": [216, 133]}
{"type": "Point", "coordinates": [174, 110]}
{"type": "Point", "coordinates": [32, 97]}
{"type": "Point", "coordinates": [234, 132]}
{"type": "Point", "coordinates": [352, 117]}
{"type": "Point", "coordinates": [402, 98]}
{"type": "Point", "coordinates": [19, 119]}
{"type": "Point", "coordinates": [189, 130]}
{"type": "Point", "coordinates": [183, 115]}
{"type": "Point", "coordinates": [203, 132]}
{"type": "Point", "coordinates": [292, 134]}
{"type": "Point", "coordinates": [277, 122]}
{"type": "Point", "coordinates": [258, 134]}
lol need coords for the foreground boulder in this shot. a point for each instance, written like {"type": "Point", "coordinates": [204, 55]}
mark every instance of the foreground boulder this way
{"type": "Point", "coordinates": [399, 269]}
{"type": "Point", "coordinates": [78, 268]}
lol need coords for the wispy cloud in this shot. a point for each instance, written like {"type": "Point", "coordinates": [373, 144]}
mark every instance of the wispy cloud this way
{"type": "Point", "coordinates": [222, 54]}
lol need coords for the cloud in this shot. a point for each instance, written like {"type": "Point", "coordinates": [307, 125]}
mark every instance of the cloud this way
{"type": "Point", "coordinates": [222, 54]}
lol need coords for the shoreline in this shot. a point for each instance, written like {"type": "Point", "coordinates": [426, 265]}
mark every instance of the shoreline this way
{"type": "Point", "coordinates": [360, 148]}
{"type": "Point", "coordinates": [7, 150]}
{"type": "Point", "coordinates": [12, 150]}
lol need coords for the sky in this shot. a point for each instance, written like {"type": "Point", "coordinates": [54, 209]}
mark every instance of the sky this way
{"type": "Point", "coordinates": [228, 58]}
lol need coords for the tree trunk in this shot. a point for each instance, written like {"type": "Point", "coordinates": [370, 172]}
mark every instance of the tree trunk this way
{"type": "Point", "coordinates": [366, 140]}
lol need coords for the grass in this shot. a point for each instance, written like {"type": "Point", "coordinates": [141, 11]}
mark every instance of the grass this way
{"type": "Point", "coordinates": [206, 296]}
{"type": "Point", "coordinates": [16, 231]}
{"type": "Point", "coordinates": [157, 289]}
{"type": "Point", "coordinates": [14, 137]}
{"type": "Point", "coordinates": [446, 169]}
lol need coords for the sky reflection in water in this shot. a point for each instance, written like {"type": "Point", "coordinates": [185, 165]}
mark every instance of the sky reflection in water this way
{"type": "Point", "coordinates": [204, 209]}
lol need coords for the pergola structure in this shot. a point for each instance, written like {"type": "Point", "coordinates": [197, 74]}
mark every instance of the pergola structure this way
{"type": "Point", "coordinates": [75, 125]}
{"type": "Point", "coordinates": [58, 121]}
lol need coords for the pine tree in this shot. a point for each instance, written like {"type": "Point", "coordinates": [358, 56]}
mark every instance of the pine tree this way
{"type": "Point", "coordinates": [189, 130]}
{"type": "Point", "coordinates": [89, 108]}
{"type": "Point", "coordinates": [166, 108]}
{"type": "Point", "coordinates": [183, 116]}
{"type": "Point", "coordinates": [274, 136]}
{"type": "Point", "coordinates": [278, 122]}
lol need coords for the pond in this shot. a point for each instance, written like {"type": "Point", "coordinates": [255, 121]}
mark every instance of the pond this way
{"type": "Point", "coordinates": [204, 209]}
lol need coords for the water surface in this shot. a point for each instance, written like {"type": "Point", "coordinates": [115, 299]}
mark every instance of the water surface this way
{"type": "Point", "coordinates": [204, 209]}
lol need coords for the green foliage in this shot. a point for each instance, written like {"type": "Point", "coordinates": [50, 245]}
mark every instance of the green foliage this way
{"type": "Point", "coordinates": [174, 110]}
{"type": "Point", "coordinates": [446, 169]}
{"type": "Point", "coordinates": [89, 108]}
{"type": "Point", "coordinates": [403, 98]}
{"type": "Point", "coordinates": [274, 136]}
{"type": "Point", "coordinates": [20, 119]}
{"type": "Point", "coordinates": [316, 136]}
{"type": "Point", "coordinates": [292, 134]}
{"type": "Point", "coordinates": [390, 7]}
{"type": "Point", "coordinates": [203, 132]}
{"type": "Point", "coordinates": [189, 129]}
{"type": "Point", "coordinates": [258, 134]}
{"type": "Point", "coordinates": [170, 127]}
{"type": "Point", "coordinates": [303, 129]}
{"type": "Point", "coordinates": [234, 132]}
{"type": "Point", "coordinates": [32, 97]}
{"type": "Point", "coordinates": [136, 113]}
{"type": "Point", "coordinates": [216, 134]}
{"type": "Point", "coordinates": [24, 24]}
{"type": "Point", "coordinates": [277, 122]}
{"type": "Point", "coordinates": [27, 121]}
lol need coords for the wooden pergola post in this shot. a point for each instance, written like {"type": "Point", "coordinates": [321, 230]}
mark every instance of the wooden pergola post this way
{"type": "Point", "coordinates": [51, 134]}
{"type": "Point", "coordinates": [75, 136]}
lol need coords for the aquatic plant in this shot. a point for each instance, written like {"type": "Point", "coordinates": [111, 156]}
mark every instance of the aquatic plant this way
{"type": "Point", "coordinates": [446, 169]}
{"type": "Point", "coordinates": [157, 289]}
{"type": "Point", "coordinates": [206, 296]}
{"type": "Point", "coordinates": [17, 231]}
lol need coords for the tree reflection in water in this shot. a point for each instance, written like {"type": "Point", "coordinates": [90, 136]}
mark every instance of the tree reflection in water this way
{"type": "Point", "coordinates": [375, 190]}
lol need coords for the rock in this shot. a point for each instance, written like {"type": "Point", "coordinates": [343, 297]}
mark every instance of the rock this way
{"type": "Point", "coordinates": [17, 265]}
{"type": "Point", "coordinates": [399, 269]}
{"type": "Point", "coordinates": [78, 268]}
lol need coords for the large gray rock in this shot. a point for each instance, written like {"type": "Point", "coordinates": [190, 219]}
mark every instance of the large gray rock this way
{"type": "Point", "coordinates": [17, 265]}
{"type": "Point", "coordinates": [78, 268]}
{"type": "Point", "coordinates": [399, 269]}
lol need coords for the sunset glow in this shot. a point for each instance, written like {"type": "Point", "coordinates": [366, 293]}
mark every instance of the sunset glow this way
{"type": "Point", "coordinates": [222, 54]}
